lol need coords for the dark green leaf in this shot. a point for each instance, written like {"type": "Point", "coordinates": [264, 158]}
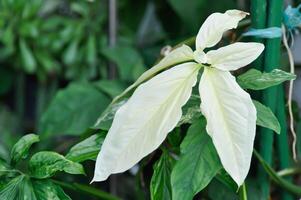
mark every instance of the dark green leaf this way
{"type": "Point", "coordinates": [191, 110]}
{"type": "Point", "coordinates": [73, 110]}
{"type": "Point", "coordinates": [18, 188]}
{"type": "Point", "coordinates": [47, 190]}
{"type": "Point", "coordinates": [29, 62]}
{"type": "Point", "coordinates": [111, 87]}
{"type": "Point", "coordinates": [188, 12]}
{"type": "Point", "coordinates": [160, 186]}
{"type": "Point", "coordinates": [45, 164]}
{"type": "Point", "coordinates": [21, 148]}
{"type": "Point", "coordinates": [129, 61]}
{"type": "Point", "coordinates": [197, 165]}
{"type": "Point", "coordinates": [91, 50]}
{"type": "Point", "coordinates": [174, 137]}
{"type": "Point", "coordinates": [266, 118]}
{"type": "Point", "coordinates": [3, 167]}
{"type": "Point", "coordinates": [256, 80]}
{"type": "Point", "coordinates": [218, 191]}
{"type": "Point", "coordinates": [87, 149]}
{"type": "Point", "coordinates": [71, 53]}
{"type": "Point", "coordinates": [223, 177]}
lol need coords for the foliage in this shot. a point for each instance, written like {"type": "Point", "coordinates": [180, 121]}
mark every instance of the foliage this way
{"type": "Point", "coordinates": [42, 165]}
{"type": "Point", "coordinates": [54, 82]}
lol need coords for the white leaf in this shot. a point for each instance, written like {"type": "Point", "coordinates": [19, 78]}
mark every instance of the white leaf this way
{"type": "Point", "coordinates": [176, 56]}
{"type": "Point", "coordinates": [235, 55]}
{"type": "Point", "coordinates": [215, 25]}
{"type": "Point", "coordinates": [142, 124]}
{"type": "Point", "coordinates": [231, 120]}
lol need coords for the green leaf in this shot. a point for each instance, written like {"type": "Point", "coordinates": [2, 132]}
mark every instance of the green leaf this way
{"type": "Point", "coordinates": [223, 177]}
{"type": "Point", "coordinates": [91, 51]}
{"type": "Point", "coordinates": [71, 53]}
{"type": "Point", "coordinates": [129, 61]}
{"type": "Point", "coordinates": [21, 148]}
{"type": "Point", "coordinates": [46, 190]}
{"type": "Point", "coordinates": [110, 87]}
{"type": "Point", "coordinates": [18, 188]}
{"type": "Point", "coordinates": [197, 165]}
{"type": "Point", "coordinates": [45, 164]}
{"type": "Point", "coordinates": [105, 120]}
{"type": "Point", "coordinates": [29, 62]}
{"type": "Point", "coordinates": [175, 137]}
{"type": "Point", "coordinates": [191, 110]}
{"type": "Point", "coordinates": [73, 110]}
{"type": "Point", "coordinates": [218, 191]}
{"type": "Point", "coordinates": [256, 80]}
{"type": "Point", "coordinates": [188, 12]}
{"type": "Point", "coordinates": [266, 118]}
{"type": "Point", "coordinates": [87, 149]}
{"type": "Point", "coordinates": [3, 167]}
{"type": "Point", "coordinates": [160, 186]}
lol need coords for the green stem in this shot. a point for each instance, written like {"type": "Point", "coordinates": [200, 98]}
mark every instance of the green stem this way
{"type": "Point", "coordinates": [243, 192]}
{"type": "Point", "coordinates": [289, 171]}
{"type": "Point", "coordinates": [277, 179]}
{"type": "Point", "coordinates": [271, 61]}
{"type": "Point", "coordinates": [282, 140]}
{"type": "Point", "coordinates": [87, 190]}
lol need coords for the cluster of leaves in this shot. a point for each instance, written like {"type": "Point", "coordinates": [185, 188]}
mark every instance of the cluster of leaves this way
{"type": "Point", "coordinates": [50, 38]}
{"type": "Point", "coordinates": [173, 176]}
{"type": "Point", "coordinates": [36, 182]}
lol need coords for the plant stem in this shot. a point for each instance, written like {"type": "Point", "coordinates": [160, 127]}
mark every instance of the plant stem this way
{"type": "Point", "coordinates": [243, 192]}
{"type": "Point", "coordinates": [271, 61]}
{"type": "Point", "coordinates": [289, 171]}
{"type": "Point", "coordinates": [282, 140]}
{"type": "Point", "coordinates": [86, 189]}
{"type": "Point", "coordinates": [277, 179]}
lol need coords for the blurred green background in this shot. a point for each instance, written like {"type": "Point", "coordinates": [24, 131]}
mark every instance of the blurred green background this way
{"type": "Point", "coordinates": [56, 62]}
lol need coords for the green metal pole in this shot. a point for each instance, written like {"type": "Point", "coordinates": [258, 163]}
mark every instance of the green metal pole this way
{"type": "Point", "coordinates": [282, 140]}
{"type": "Point", "coordinates": [258, 21]}
{"type": "Point", "coordinates": [269, 96]}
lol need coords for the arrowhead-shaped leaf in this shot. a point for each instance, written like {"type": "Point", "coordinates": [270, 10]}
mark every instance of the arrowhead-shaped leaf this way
{"type": "Point", "coordinates": [160, 186]}
{"type": "Point", "coordinates": [142, 124]}
{"type": "Point", "coordinates": [197, 165]}
{"type": "Point", "coordinates": [231, 121]}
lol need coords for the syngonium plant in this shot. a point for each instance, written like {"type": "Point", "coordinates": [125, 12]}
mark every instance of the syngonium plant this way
{"type": "Point", "coordinates": [155, 107]}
